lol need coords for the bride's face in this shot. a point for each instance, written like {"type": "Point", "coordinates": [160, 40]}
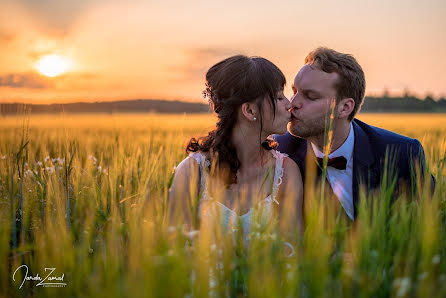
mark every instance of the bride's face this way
{"type": "Point", "coordinates": [276, 123]}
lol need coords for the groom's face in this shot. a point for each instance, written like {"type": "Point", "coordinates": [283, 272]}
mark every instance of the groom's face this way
{"type": "Point", "coordinates": [313, 91]}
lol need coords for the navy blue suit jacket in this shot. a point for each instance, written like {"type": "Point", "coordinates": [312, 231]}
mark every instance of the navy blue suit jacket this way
{"type": "Point", "coordinates": [372, 145]}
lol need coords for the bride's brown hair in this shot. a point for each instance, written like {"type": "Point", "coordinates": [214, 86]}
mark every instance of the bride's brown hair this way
{"type": "Point", "coordinates": [230, 83]}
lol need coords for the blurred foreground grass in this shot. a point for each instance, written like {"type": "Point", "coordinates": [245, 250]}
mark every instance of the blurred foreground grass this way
{"type": "Point", "coordinates": [86, 195]}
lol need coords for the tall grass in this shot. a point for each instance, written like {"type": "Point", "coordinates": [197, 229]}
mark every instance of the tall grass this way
{"type": "Point", "coordinates": [87, 195]}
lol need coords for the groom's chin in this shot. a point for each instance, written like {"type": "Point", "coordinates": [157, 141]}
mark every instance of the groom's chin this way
{"type": "Point", "coordinates": [292, 131]}
{"type": "Point", "coordinates": [295, 133]}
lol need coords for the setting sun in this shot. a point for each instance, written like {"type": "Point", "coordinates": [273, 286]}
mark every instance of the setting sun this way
{"type": "Point", "coordinates": [53, 65]}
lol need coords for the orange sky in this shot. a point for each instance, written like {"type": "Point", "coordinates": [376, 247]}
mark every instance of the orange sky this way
{"type": "Point", "coordinates": [162, 49]}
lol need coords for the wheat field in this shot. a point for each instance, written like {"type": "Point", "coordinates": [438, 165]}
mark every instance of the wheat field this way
{"type": "Point", "coordinates": [86, 195]}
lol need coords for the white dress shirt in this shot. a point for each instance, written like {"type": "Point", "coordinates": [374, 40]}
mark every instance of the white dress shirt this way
{"type": "Point", "coordinates": [341, 181]}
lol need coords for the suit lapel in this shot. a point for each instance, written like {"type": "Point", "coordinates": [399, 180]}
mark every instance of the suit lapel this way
{"type": "Point", "coordinates": [365, 170]}
{"type": "Point", "coordinates": [363, 159]}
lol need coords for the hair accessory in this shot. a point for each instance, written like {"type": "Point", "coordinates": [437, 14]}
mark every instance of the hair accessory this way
{"type": "Point", "coordinates": [207, 93]}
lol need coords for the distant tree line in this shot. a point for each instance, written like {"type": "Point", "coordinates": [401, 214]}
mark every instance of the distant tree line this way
{"type": "Point", "coordinates": [123, 106]}
{"type": "Point", "coordinates": [404, 104]}
{"type": "Point", "coordinates": [385, 104]}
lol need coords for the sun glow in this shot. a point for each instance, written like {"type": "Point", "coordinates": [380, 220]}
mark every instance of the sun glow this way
{"type": "Point", "coordinates": [53, 65]}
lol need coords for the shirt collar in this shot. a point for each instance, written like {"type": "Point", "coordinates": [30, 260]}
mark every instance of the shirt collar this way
{"type": "Point", "coordinates": [345, 150]}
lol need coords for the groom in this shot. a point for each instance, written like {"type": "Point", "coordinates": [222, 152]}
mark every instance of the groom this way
{"type": "Point", "coordinates": [330, 88]}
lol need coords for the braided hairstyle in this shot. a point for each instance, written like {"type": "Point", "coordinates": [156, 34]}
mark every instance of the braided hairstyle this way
{"type": "Point", "coordinates": [230, 83]}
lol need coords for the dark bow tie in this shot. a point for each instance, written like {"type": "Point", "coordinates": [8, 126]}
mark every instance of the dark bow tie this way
{"type": "Point", "coordinates": [339, 162]}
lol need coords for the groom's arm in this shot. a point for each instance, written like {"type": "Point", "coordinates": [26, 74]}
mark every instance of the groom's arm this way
{"type": "Point", "coordinates": [418, 166]}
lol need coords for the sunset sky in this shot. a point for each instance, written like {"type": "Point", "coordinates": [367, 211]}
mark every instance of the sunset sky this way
{"type": "Point", "coordinates": [79, 50]}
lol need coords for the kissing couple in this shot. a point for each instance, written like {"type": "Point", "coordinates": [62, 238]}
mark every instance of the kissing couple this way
{"type": "Point", "coordinates": [255, 162]}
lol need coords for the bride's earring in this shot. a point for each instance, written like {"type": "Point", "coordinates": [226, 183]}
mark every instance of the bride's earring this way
{"type": "Point", "coordinates": [254, 118]}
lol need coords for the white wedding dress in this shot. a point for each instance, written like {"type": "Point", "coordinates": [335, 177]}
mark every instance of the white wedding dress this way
{"type": "Point", "coordinates": [210, 209]}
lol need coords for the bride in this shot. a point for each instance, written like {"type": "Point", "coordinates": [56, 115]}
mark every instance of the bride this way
{"type": "Point", "coordinates": [235, 172]}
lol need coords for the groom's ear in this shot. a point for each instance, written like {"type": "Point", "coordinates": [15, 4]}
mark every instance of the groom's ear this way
{"type": "Point", "coordinates": [345, 107]}
{"type": "Point", "coordinates": [249, 111]}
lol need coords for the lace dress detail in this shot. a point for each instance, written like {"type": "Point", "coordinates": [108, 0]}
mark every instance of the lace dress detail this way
{"type": "Point", "coordinates": [210, 209]}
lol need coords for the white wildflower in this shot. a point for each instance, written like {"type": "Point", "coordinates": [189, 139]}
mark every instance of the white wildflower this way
{"type": "Point", "coordinates": [26, 164]}
{"type": "Point", "coordinates": [92, 158]}
{"type": "Point", "coordinates": [99, 168]}
{"type": "Point", "coordinates": [46, 159]}
{"type": "Point", "coordinates": [50, 169]}
{"type": "Point", "coordinates": [3, 157]}
{"type": "Point", "coordinates": [191, 234]}
{"type": "Point", "coordinates": [54, 160]}
{"type": "Point", "coordinates": [403, 286]}
{"type": "Point", "coordinates": [436, 260]}
{"type": "Point", "coordinates": [61, 160]}
{"type": "Point", "coordinates": [212, 281]}
{"type": "Point", "coordinates": [39, 163]}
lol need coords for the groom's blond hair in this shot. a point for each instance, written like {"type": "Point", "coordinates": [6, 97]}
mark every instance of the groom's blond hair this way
{"type": "Point", "coordinates": [351, 83]}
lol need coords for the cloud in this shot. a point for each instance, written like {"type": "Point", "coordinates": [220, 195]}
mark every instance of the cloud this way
{"type": "Point", "coordinates": [199, 60]}
{"type": "Point", "coordinates": [55, 14]}
{"type": "Point", "coordinates": [24, 80]}
{"type": "Point", "coordinates": [6, 37]}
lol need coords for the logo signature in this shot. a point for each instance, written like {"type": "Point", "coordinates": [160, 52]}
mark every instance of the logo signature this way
{"type": "Point", "coordinates": [48, 281]}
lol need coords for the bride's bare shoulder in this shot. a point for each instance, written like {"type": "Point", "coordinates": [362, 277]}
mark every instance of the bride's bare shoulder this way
{"type": "Point", "coordinates": [187, 171]}
{"type": "Point", "coordinates": [188, 165]}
